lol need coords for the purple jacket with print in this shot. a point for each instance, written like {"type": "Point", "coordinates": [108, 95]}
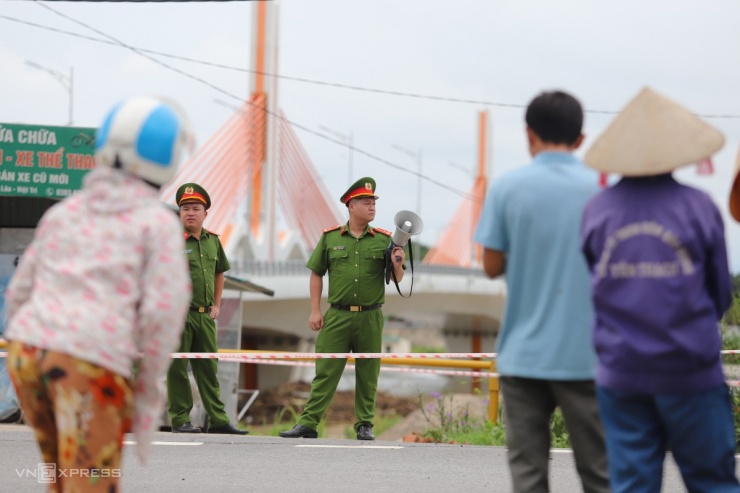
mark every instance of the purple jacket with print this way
{"type": "Point", "coordinates": [660, 282]}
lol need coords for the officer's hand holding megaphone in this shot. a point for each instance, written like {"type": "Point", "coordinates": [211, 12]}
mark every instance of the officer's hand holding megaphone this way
{"type": "Point", "coordinates": [408, 224]}
{"type": "Point", "coordinates": [398, 256]}
{"type": "Point", "coordinates": [395, 257]}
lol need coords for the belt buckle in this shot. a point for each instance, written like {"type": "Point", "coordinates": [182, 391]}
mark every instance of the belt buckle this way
{"type": "Point", "coordinates": [201, 309]}
{"type": "Point", "coordinates": [355, 308]}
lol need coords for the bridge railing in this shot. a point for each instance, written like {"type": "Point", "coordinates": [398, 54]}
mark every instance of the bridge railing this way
{"type": "Point", "coordinates": [261, 268]}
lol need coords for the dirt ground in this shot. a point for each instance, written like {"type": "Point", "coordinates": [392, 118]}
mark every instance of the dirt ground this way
{"type": "Point", "coordinates": [293, 395]}
{"type": "Point", "coordinates": [341, 416]}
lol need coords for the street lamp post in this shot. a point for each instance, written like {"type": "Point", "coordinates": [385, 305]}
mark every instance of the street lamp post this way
{"type": "Point", "coordinates": [417, 157]}
{"type": "Point", "coordinates": [66, 80]}
{"type": "Point", "coordinates": [346, 140]}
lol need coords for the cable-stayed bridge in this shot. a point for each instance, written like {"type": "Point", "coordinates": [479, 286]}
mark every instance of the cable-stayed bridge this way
{"type": "Point", "coordinates": [262, 175]}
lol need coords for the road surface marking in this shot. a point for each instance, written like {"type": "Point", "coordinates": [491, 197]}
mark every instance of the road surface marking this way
{"type": "Point", "coordinates": [131, 442]}
{"type": "Point", "coordinates": [350, 446]}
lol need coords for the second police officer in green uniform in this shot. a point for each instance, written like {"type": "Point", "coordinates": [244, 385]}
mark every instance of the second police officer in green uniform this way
{"type": "Point", "coordinates": [354, 257]}
{"type": "Point", "coordinates": [208, 263]}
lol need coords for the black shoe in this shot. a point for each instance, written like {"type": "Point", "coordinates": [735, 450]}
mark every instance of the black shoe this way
{"type": "Point", "coordinates": [186, 427]}
{"type": "Point", "coordinates": [365, 432]}
{"type": "Point", "coordinates": [299, 431]}
{"type": "Point", "coordinates": [227, 429]}
{"type": "Point", "coordinates": [13, 418]}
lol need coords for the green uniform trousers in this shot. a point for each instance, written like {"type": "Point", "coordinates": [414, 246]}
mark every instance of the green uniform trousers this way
{"type": "Point", "coordinates": [344, 331]}
{"type": "Point", "coordinates": [199, 336]}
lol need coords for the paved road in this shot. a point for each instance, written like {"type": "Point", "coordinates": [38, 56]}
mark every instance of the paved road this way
{"type": "Point", "coordinates": [216, 464]}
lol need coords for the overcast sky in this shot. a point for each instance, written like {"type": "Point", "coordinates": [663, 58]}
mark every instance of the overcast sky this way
{"type": "Point", "coordinates": [499, 52]}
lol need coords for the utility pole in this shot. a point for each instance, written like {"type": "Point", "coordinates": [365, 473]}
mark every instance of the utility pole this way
{"type": "Point", "coordinates": [417, 157]}
{"type": "Point", "coordinates": [65, 80]}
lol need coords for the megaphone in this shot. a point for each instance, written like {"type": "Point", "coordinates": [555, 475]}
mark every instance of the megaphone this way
{"type": "Point", "coordinates": [408, 224]}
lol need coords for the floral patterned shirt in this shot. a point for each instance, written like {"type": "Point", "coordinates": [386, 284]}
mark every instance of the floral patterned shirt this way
{"type": "Point", "coordinates": [105, 280]}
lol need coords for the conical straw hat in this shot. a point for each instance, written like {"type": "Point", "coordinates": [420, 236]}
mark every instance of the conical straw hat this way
{"type": "Point", "coordinates": [735, 191]}
{"type": "Point", "coordinates": [653, 135]}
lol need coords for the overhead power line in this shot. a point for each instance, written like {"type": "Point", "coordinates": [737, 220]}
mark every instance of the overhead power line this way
{"type": "Point", "coordinates": [319, 82]}
{"type": "Point", "coordinates": [243, 100]}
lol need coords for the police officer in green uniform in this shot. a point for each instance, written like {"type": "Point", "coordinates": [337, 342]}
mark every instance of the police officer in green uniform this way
{"type": "Point", "coordinates": [354, 256]}
{"type": "Point", "coordinates": [208, 263]}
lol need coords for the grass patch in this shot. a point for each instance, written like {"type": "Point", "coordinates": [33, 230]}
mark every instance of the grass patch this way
{"type": "Point", "coordinates": [486, 433]}
{"type": "Point", "coordinates": [428, 349]}
{"type": "Point", "coordinates": [446, 424]}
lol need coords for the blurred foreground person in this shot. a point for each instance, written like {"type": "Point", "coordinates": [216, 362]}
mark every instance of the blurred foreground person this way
{"type": "Point", "coordinates": [660, 283]}
{"type": "Point", "coordinates": [735, 191]}
{"type": "Point", "coordinates": [529, 229]}
{"type": "Point", "coordinates": [103, 281]}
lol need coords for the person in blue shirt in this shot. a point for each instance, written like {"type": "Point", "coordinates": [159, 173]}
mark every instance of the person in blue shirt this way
{"type": "Point", "coordinates": [529, 229]}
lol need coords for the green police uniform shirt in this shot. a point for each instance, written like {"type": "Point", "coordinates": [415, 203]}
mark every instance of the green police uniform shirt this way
{"type": "Point", "coordinates": [206, 258]}
{"type": "Point", "coordinates": [356, 266]}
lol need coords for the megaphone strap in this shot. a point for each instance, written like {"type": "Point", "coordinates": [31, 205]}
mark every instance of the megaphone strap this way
{"type": "Point", "coordinates": [389, 266]}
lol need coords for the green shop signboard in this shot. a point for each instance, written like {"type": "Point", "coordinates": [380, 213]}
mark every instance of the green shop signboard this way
{"type": "Point", "coordinates": [44, 161]}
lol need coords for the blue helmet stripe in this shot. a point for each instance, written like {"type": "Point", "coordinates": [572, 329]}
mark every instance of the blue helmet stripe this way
{"type": "Point", "coordinates": [101, 136]}
{"type": "Point", "coordinates": [156, 140]}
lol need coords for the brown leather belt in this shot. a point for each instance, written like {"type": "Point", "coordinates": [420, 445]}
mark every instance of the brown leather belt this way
{"type": "Point", "coordinates": [357, 308]}
{"type": "Point", "coordinates": [199, 309]}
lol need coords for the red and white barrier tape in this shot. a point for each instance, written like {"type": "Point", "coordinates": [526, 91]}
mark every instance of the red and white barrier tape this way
{"type": "Point", "coordinates": [460, 373]}
{"type": "Point", "coordinates": [280, 356]}
{"type": "Point", "coordinates": [284, 355]}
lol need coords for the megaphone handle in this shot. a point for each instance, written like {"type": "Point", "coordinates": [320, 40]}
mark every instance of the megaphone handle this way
{"type": "Point", "coordinates": [393, 273]}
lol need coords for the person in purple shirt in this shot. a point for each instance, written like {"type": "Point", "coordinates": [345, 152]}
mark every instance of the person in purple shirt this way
{"type": "Point", "coordinates": [660, 282]}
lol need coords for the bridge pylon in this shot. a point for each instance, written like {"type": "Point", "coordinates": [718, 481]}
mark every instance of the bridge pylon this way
{"type": "Point", "coordinates": [456, 247]}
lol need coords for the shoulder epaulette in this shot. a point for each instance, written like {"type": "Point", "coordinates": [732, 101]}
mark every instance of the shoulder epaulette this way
{"type": "Point", "coordinates": [333, 228]}
{"type": "Point", "coordinates": [211, 232]}
{"type": "Point", "coordinates": [383, 231]}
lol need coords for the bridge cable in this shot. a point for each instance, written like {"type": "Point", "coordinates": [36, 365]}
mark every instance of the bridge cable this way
{"type": "Point", "coordinates": [139, 52]}
{"type": "Point", "coordinates": [325, 83]}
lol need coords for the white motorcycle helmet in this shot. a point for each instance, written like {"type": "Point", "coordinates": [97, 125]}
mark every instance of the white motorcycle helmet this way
{"type": "Point", "coordinates": [144, 136]}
